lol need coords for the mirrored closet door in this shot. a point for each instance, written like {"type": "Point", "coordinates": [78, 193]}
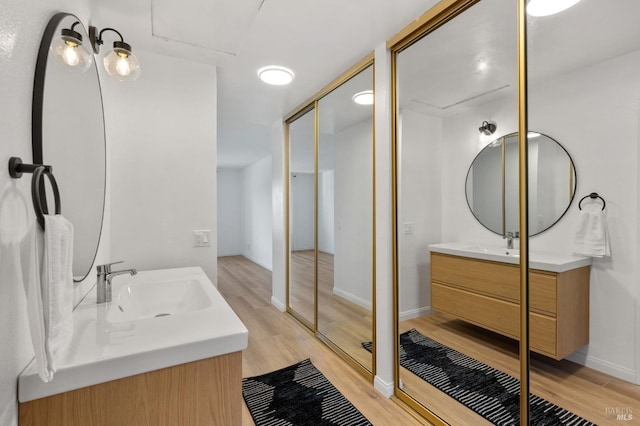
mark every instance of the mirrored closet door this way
{"type": "Point", "coordinates": [345, 216]}
{"type": "Point", "coordinates": [458, 76]}
{"type": "Point", "coordinates": [302, 177]}
{"type": "Point", "coordinates": [331, 216]}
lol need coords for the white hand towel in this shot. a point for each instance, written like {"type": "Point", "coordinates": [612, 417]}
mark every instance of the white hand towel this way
{"type": "Point", "coordinates": [57, 286]}
{"type": "Point", "coordinates": [31, 253]}
{"type": "Point", "coordinates": [591, 237]}
{"type": "Point", "coordinates": [48, 282]}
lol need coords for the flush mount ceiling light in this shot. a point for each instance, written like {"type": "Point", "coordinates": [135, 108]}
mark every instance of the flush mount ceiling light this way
{"type": "Point", "coordinates": [532, 135]}
{"type": "Point", "coordinates": [70, 52]}
{"type": "Point", "coordinates": [487, 128]}
{"type": "Point", "coordinates": [548, 7]}
{"type": "Point", "coordinates": [482, 65]}
{"type": "Point", "coordinates": [363, 98]}
{"type": "Point", "coordinates": [275, 75]}
{"type": "Point", "coordinates": [120, 63]}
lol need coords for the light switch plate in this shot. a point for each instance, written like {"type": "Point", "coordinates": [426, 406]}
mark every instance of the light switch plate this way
{"type": "Point", "coordinates": [408, 228]}
{"type": "Point", "coordinates": [202, 238]}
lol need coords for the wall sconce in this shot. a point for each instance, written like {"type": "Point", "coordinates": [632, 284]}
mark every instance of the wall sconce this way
{"type": "Point", "coordinates": [70, 52]}
{"type": "Point", "coordinates": [119, 62]}
{"type": "Point", "coordinates": [487, 128]}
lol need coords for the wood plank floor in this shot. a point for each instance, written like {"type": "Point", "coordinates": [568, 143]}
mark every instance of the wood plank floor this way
{"type": "Point", "coordinates": [579, 389]}
{"type": "Point", "coordinates": [276, 340]}
{"type": "Point", "coordinates": [343, 322]}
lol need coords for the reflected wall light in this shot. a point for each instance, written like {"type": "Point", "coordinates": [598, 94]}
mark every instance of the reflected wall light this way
{"type": "Point", "coordinates": [548, 7]}
{"type": "Point", "coordinates": [487, 128]}
{"type": "Point", "coordinates": [120, 63]}
{"type": "Point", "coordinates": [70, 52]}
{"type": "Point", "coordinates": [363, 98]}
{"type": "Point", "coordinates": [275, 75]}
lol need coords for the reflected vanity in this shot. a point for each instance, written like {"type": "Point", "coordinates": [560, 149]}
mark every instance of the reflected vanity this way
{"type": "Point", "coordinates": [68, 134]}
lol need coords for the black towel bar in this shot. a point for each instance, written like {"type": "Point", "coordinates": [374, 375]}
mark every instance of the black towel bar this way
{"type": "Point", "coordinates": [593, 196]}
{"type": "Point", "coordinates": [38, 194]}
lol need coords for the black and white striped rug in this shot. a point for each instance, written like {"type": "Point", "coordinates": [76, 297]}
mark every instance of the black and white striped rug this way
{"type": "Point", "coordinates": [298, 395]}
{"type": "Point", "coordinates": [489, 392]}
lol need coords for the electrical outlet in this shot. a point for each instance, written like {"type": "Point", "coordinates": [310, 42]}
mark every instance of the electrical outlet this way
{"type": "Point", "coordinates": [202, 238]}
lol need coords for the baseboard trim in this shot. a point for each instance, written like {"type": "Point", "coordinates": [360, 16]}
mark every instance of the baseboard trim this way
{"type": "Point", "coordinates": [615, 370]}
{"type": "Point", "coordinates": [385, 388]}
{"type": "Point", "coordinates": [230, 253]}
{"type": "Point", "coordinates": [352, 298]}
{"type": "Point", "coordinates": [278, 304]}
{"type": "Point", "coordinates": [415, 313]}
{"type": "Point", "coordinates": [258, 261]}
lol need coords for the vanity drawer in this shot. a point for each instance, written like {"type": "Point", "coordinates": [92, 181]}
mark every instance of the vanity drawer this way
{"type": "Point", "coordinates": [496, 315]}
{"type": "Point", "coordinates": [497, 280]}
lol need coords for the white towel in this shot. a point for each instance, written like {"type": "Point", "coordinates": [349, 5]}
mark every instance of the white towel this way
{"type": "Point", "coordinates": [591, 238]}
{"type": "Point", "coordinates": [48, 284]}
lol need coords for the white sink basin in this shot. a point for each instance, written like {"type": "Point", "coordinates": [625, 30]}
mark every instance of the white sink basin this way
{"type": "Point", "coordinates": [132, 334]}
{"type": "Point", "coordinates": [493, 250]}
{"type": "Point", "coordinates": [142, 300]}
{"type": "Point", "coordinates": [553, 262]}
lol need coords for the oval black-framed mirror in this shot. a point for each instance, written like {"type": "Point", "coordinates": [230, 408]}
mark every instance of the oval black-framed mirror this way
{"type": "Point", "coordinates": [492, 186]}
{"type": "Point", "coordinates": [68, 134]}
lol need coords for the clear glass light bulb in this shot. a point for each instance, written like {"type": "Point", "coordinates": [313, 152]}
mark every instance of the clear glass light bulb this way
{"type": "Point", "coordinates": [70, 55]}
{"type": "Point", "coordinates": [122, 66]}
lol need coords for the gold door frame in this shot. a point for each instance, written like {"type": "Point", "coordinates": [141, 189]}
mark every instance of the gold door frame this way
{"type": "Point", "coordinates": [435, 17]}
{"type": "Point", "coordinates": [287, 185]}
{"type": "Point", "coordinates": [308, 105]}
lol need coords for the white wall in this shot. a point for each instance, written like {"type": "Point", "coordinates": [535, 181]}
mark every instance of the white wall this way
{"type": "Point", "coordinates": [571, 109]}
{"type": "Point", "coordinates": [420, 199]}
{"type": "Point", "coordinates": [163, 133]}
{"type": "Point", "coordinates": [278, 205]}
{"type": "Point", "coordinates": [229, 202]}
{"type": "Point", "coordinates": [353, 222]}
{"type": "Point", "coordinates": [257, 212]}
{"type": "Point", "coordinates": [22, 27]}
{"type": "Point", "coordinates": [326, 211]}
{"type": "Point", "coordinates": [384, 380]}
{"type": "Point", "coordinates": [301, 212]}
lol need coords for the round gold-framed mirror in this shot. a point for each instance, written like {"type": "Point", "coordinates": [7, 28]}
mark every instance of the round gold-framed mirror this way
{"type": "Point", "coordinates": [492, 184]}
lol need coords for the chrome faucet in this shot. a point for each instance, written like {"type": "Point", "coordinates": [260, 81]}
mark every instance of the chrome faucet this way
{"type": "Point", "coordinates": [105, 275]}
{"type": "Point", "coordinates": [510, 236]}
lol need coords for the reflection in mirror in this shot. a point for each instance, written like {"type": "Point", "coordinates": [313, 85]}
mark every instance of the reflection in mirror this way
{"type": "Point", "coordinates": [454, 78]}
{"type": "Point", "coordinates": [68, 134]}
{"type": "Point", "coordinates": [345, 218]}
{"type": "Point", "coordinates": [492, 184]}
{"type": "Point", "coordinates": [568, 95]}
{"type": "Point", "coordinates": [302, 217]}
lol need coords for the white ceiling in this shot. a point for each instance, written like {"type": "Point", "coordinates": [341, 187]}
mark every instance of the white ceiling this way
{"type": "Point", "coordinates": [439, 74]}
{"type": "Point", "coordinates": [319, 40]}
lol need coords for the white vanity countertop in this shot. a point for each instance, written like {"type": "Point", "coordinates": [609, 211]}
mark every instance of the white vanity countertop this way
{"type": "Point", "coordinates": [101, 351]}
{"type": "Point", "coordinates": [537, 260]}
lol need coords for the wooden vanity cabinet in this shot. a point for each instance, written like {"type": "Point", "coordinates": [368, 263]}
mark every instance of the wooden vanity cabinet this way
{"type": "Point", "coordinates": [487, 294]}
{"type": "Point", "coordinates": [205, 392]}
